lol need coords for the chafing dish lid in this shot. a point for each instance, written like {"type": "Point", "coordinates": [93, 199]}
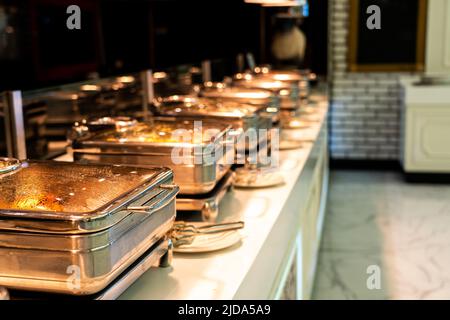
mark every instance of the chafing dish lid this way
{"type": "Point", "coordinates": [161, 131]}
{"type": "Point", "coordinates": [71, 191]}
{"type": "Point", "coordinates": [205, 107]}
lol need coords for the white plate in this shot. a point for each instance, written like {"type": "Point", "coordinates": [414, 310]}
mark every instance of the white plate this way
{"type": "Point", "coordinates": [257, 179]}
{"type": "Point", "coordinates": [211, 242]}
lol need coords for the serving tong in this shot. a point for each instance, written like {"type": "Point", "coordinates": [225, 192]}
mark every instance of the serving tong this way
{"type": "Point", "coordinates": [183, 233]}
{"type": "Point", "coordinates": [9, 164]}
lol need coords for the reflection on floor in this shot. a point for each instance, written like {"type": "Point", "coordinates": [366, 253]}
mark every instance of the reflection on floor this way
{"type": "Point", "coordinates": [377, 224]}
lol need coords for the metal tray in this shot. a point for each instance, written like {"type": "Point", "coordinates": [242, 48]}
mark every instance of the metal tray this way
{"type": "Point", "coordinates": [207, 204]}
{"type": "Point", "coordinates": [80, 252]}
{"type": "Point", "coordinates": [197, 167]}
{"type": "Point", "coordinates": [159, 255]}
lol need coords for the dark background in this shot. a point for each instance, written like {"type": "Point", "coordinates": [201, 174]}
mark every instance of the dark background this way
{"type": "Point", "coordinates": [120, 36]}
{"type": "Point", "coordinates": [396, 41]}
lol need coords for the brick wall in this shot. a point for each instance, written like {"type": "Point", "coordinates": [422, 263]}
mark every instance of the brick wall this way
{"type": "Point", "coordinates": [365, 107]}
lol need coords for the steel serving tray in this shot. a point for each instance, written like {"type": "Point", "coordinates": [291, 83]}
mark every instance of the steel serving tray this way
{"type": "Point", "coordinates": [198, 162]}
{"type": "Point", "coordinates": [72, 243]}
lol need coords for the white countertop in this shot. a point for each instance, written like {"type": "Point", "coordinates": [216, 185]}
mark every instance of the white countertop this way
{"type": "Point", "coordinates": [424, 94]}
{"type": "Point", "coordinates": [240, 271]}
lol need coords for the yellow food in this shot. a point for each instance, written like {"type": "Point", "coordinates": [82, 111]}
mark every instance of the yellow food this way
{"type": "Point", "coordinates": [45, 203]}
{"type": "Point", "coordinates": [161, 133]}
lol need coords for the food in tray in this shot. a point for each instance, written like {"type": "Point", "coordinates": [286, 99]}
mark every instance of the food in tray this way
{"type": "Point", "coordinates": [48, 202]}
{"type": "Point", "coordinates": [50, 186]}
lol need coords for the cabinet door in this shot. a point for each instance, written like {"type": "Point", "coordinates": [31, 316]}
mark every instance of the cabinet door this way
{"type": "Point", "coordinates": [292, 285]}
{"type": "Point", "coordinates": [427, 138]}
{"type": "Point", "coordinates": [438, 37]}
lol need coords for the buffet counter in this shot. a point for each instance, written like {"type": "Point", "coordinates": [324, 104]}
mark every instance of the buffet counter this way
{"type": "Point", "coordinates": [277, 254]}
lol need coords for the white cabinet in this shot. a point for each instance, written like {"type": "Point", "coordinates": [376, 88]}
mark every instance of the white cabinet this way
{"type": "Point", "coordinates": [438, 37]}
{"type": "Point", "coordinates": [426, 129]}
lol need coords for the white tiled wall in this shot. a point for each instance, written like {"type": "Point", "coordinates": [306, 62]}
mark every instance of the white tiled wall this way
{"type": "Point", "coordinates": [365, 107]}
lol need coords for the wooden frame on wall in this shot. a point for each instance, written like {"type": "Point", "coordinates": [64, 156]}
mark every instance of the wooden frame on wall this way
{"type": "Point", "coordinates": [418, 66]}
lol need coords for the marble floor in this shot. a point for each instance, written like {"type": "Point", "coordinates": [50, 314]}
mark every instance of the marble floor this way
{"type": "Point", "coordinates": [384, 239]}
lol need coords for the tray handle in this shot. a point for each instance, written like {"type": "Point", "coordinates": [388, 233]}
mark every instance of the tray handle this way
{"type": "Point", "coordinates": [169, 191]}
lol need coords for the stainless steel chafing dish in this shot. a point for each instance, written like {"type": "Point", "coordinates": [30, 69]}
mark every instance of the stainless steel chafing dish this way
{"type": "Point", "coordinates": [74, 228]}
{"type": "Point", "coordinates": [239, 115]}
{"type": "Point", "coordinates": [287, 92]}
{"type": "Point", "coordinates": [259, 97]}
{"type": "Point", "coordinates": [198, 156]}
{"type": "Point", "coordinates": [242, 117]}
